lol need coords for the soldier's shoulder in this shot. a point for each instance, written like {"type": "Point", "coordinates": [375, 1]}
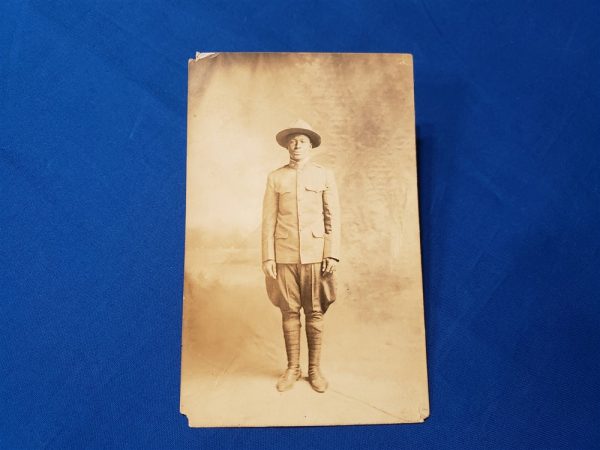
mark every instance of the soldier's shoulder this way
{"type": "Point", "coordinates": [277, 172]}
{"type": "Point", "coordinates": [281, 169]}
{"type": "Point", "coordinates": [322, 169]}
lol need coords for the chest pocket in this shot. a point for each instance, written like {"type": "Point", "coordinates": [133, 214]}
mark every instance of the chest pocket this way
{"type": "Point", "coordinates": [316, 183]}
{"type": "Point", "coordinates": [284, 188]}
{"type": "Point", "coordinates": [313, 201]}
{"type": "Point", "coordinates": [286, 194]}
{"type": "Point", "coordinates": [316, 188]}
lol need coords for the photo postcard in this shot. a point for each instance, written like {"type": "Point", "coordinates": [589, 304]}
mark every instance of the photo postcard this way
{"type": "Point", "coordinates": [303, 299]}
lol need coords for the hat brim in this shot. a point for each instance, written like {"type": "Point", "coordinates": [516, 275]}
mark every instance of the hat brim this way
{"type": "Point", "coordinates": [283, 136]}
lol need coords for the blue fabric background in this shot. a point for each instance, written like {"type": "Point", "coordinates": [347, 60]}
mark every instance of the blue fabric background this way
{"type": "Point", "coordinates": [92, 180]}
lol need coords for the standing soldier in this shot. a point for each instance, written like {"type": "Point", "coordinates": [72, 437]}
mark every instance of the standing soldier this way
{"type": "Point", "coordinates": [300, 248]}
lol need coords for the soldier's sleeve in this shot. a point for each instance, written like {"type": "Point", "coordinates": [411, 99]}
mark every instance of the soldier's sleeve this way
{"type": "Point", "coordinates": [331, 214]}
{"type": "Point", "coordinates": [269, 220]}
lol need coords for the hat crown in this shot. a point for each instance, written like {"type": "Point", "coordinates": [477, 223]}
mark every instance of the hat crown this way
{"type": "Point", "coordinates": [302, 124]}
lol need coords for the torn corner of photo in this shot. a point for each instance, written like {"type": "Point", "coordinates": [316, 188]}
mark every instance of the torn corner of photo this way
{"type": "Point", "coordinates": [303, 299]}
{"type": "Point", "coordinates": [202, 55]}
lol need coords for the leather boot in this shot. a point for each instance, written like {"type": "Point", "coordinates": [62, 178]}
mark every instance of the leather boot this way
{"type": "Point", "coordinates": [314, 330]}
{"type": "Point", "coordinates": [291, 335]}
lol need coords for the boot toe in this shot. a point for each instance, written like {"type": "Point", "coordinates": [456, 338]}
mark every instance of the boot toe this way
{"type": "Point", "coordinates": [318, 383]}
{"type": "Point", "coordinates": [287, 380]}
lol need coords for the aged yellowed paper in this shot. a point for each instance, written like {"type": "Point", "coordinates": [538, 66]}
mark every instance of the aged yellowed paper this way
{"type": "Point", "coordinates": [303, 301]}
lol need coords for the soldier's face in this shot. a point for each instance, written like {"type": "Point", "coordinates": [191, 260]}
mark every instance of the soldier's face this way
{"type": "Point", "coordinates": [299, 147]}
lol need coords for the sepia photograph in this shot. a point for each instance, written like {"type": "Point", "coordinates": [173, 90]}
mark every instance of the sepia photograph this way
{"type": "Point", "coordinates": [303, 299]}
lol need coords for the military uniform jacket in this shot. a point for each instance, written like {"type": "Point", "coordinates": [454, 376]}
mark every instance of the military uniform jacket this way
{"type": "Point", "coordinates": [301, 215]}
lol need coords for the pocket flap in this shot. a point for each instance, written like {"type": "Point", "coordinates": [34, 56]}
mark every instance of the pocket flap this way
{"type": "Point", "coordinates": [315, 187]}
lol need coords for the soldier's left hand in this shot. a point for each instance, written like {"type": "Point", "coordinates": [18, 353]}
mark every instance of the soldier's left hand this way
{"type": "Point", "coordinates": [328, 265]}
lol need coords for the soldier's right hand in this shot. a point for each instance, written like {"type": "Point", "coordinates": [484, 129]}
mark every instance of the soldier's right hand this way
{"type": "Point", "coordinates": [270, 269]}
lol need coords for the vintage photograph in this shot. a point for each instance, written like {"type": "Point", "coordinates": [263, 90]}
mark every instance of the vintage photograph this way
{"type": "Point", "coordinates": [303, 300]}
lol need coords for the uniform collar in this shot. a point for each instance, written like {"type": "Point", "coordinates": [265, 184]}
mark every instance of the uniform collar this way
{"type": "Point", "coordinates": [298, 166]}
